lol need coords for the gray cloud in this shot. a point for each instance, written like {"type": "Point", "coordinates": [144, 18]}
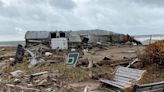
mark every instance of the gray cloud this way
{"type": "Point", "coordinates": [156, 3]}
{"type": "Point", "coordinates": [1, 3]}
{"type": "Point", "coordinates": [34, 1]}
{"type": "Point", "coordinates": [11, 12]}
{"type": "Point", "coordinates": [63, 4]}
{"type": "Point", "coordinates": [123, 16]}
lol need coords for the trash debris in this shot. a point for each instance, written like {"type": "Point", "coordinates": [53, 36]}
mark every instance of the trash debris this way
{"type": "Point", "coordinates": [7, 55]}
{"type": "Point", "coordinates": [156, 87]}
{"type": "Point", "coordinates": [11, 59]}
{"type": "Point", "coordinates": [106, 58]}
{"type": "Point", "coordinates": [19, 55]}
{"type": "Point", "coordinates": [2, 65]}
{"type": "Point", "coordinates": [21, 87]}
{"type": "Point", "coordinates": [38, 74]}
{"type": "Point", "coordinates": [48, 54]}
{"type": "Point", "coordinates": [99, 43]}
{"type": "Point", "coordinates": [3, 49]}
{"type": "Point", "coordinates": [17, 73]}
{"type": "Point", "coordinates": [33, 60]}
{"type": "Point", "coordinates": [73, 50]}
{"type": "Point", "coordinates": [17, 81]}
{"type": "Point", "coordinates": [136, 60]}
{"type": "Point", "coordinates": [86, 89]}
{"type": "Point", "coordinates": [50, 90]}
{"type": "Point", "coordinates": [129, 51]}
{"type": "Point", "coordinates": [125, 78]}
{"type": "Point", "coordinates": [114, 62]}
{"type": "Point", "coordinates": [90, 65]}
{"type": "Point", "coordinates": [72, 59]}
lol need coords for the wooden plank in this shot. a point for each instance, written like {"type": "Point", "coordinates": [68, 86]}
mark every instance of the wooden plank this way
{"type": "Point", "coordinates": [115, 84]}
{"type": "Point", "coordinates": [110, 83]}
{"type": "Point", "coordinates": [151, 84]}
{"type": "Point", "coordinates": [153, 87]}
{"type": "Point", "coordinates": [157, 90]}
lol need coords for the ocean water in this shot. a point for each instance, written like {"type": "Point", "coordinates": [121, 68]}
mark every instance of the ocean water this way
{"type": "Point", "coordinates": [11, 43]}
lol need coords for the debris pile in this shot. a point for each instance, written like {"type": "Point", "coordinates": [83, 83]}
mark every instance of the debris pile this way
{"type": "Point", "coordinates": [39, 82]}
{"type": "Point", "coordinates": [41, 69]}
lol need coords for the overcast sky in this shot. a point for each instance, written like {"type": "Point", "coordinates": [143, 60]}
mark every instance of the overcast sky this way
{"type": "Point", "coordinates": [122, 16]}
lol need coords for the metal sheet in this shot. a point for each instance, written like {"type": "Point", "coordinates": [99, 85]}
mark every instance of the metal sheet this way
{"type": "Point", "coordinates": [152, 87]}
{"type": "Point", "coordinates": [37, 35]}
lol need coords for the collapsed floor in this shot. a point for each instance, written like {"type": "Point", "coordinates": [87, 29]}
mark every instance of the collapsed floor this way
{"type": "Point", "coordinates": [54, 76]}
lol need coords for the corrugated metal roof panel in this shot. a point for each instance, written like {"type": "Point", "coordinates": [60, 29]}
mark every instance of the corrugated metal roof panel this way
{"type": "Point", "coordinates": [37, 35]}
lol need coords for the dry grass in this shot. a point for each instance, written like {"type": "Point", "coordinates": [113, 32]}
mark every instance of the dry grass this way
{"type": "Point", "coordinates": [69, 74]}
{"type": "Point", "coordinates": [154, 73]}
{"type": "Point", "coordinates": [154, 53]}
{"type": "Point", "coordinates": [152, 60]}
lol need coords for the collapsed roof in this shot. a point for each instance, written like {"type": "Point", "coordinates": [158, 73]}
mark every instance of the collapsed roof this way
{"type": "Point", "coordinates": [92, 32]}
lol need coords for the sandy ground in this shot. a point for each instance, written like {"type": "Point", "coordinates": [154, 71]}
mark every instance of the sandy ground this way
{"type": "Point", "coordinates": [114, 53]}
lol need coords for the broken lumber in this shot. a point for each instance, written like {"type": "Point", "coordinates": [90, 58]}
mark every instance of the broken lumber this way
{"type": "Point", "coordinates": [40, 73]}
{"type": "Point", "coordinates": [114, 62]}
{"type": "Point", "coordinates": [22, 87]}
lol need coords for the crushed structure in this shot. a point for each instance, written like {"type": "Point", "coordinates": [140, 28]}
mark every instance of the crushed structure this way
{"type": "Point", "coordinates": [65, 39]}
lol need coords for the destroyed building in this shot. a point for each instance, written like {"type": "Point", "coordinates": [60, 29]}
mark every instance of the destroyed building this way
{"type": "Point", "coordinates": [97, 35]}
{"type": "Point", "coordinates": [93, 35]}
{"type": "Point", "coordinates": [37, 37]}
{"type": "Point", "coordinates": [50, 39]}
{"type": "Point", "coordinates": [63, 39]}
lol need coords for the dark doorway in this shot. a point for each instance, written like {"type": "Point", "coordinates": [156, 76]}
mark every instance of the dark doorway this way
{"type": "Point", "coordinates": [62, 34]}
{"type": "Point", "coordinates": [53, 35]}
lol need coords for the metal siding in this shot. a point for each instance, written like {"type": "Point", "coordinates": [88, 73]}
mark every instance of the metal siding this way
{"type": "Point", "coordinates": [74, 38]}
{"type": "Point", "coordinates": [60, 43]}
{"type": "Point", "coordinates": [152, 87]}
{"type": "Point", "coordinates": [95, 38]}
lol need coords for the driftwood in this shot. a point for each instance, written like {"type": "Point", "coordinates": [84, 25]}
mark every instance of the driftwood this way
{"type": "Point", "coordinates": [40, 73]}
{"type": "Point", "coordinates": [90, 63]}
{"type": "Point", "coordinates": [21, 87]}
{"type": "Point", "coordinates": [7, 55]}
{"type": "Point", "coordinates": [3, 49]}
{"type": "Point", "coordinates": [136, 60]}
